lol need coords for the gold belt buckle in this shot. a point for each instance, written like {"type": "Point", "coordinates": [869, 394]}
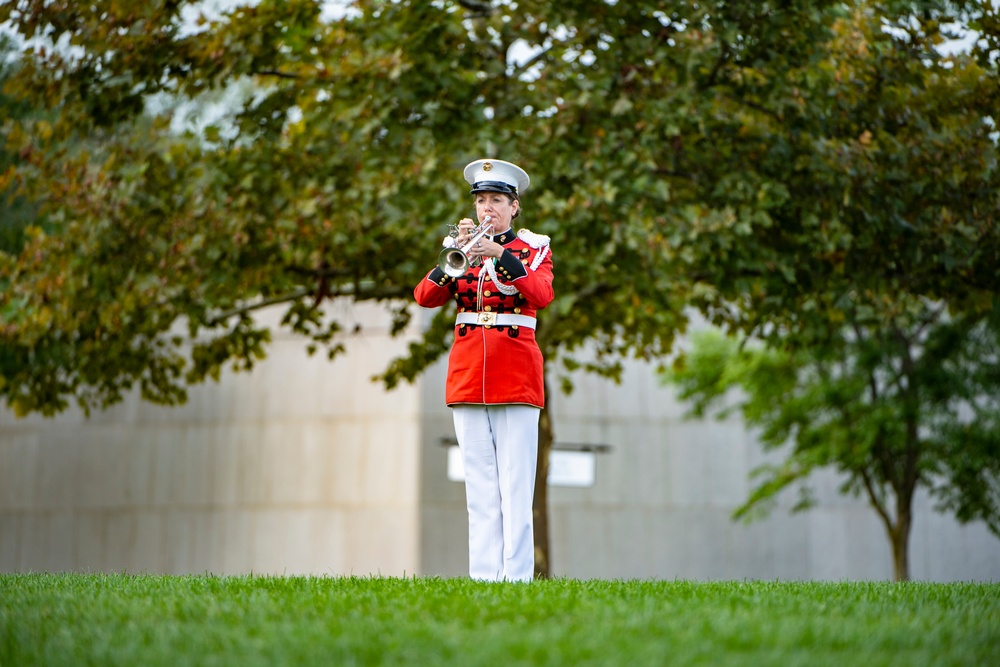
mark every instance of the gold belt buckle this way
{"type": "Point", "coordinates": [487, 319]}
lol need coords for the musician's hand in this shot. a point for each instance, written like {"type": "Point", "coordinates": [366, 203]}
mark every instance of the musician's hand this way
{"type": "Point", "coordinates": [486, 248]}
{"type": "Point", "coordinates": [465, 228]}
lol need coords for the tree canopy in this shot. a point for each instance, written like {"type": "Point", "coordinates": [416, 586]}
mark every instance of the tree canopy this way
{"type": "Point", "coordinates": [759, 161]}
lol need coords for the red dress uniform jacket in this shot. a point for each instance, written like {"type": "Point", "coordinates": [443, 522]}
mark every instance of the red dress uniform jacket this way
{"type": "Point", "coordinates": [491, 365]}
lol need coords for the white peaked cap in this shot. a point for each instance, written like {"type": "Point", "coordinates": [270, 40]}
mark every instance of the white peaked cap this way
{"type": "Point", "coordinates": [489, 175]}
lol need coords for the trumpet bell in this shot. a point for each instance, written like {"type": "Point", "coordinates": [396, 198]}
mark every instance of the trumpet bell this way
{"type": "Point", "coordinates": [453, 262]}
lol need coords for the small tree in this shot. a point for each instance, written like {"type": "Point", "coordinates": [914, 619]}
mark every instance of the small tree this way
{"type": "Point", "coordinates": [914, 404]}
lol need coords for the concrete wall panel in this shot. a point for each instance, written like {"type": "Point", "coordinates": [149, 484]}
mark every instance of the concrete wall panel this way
{"type": "Point", "coordinates": [303, 466]}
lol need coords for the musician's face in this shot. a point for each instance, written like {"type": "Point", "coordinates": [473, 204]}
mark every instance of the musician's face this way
{"type": "Point", "coordinates": [498, 206]}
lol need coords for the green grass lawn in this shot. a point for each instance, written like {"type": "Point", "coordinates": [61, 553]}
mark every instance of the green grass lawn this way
{"type": "Point", "coordinates": [71, 619]}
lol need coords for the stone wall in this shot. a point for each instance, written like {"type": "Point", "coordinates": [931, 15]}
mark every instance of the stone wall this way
{"type": "Point", "coordinates": [305, 466]}
{"type": "Point", "coordinates": [302, 466]}
{"type": "Point", "coordinates": [664, 494]}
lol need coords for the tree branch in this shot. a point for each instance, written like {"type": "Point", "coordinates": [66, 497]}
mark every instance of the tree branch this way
{"type": "Point", "coordinates": [279, 74]}
{"type": "Point", "coordinates": [911, 415]}
{"type": "Point", "coordinates": [723, 59]}
{"type": "Point", "coordinates": [294, 295]}
{"type": "Point", "coordinates": [876, 503]}
{"type": "Point", "coordinates": [478, 8]}
{"type": "Point", "coordinates": [357, 292]}
{"type": "Point", "coordinates": [878, 446]}
{"type": "Point", "coordinates": [362, 294]}
{"type": "Point", "coordinates": [531, 62]}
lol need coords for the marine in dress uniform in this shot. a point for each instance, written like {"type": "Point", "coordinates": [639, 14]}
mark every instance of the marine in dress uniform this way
{"type": "Point", "coordinates": [495, 383]}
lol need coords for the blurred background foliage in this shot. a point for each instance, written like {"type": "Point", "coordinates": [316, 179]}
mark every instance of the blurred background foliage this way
{"type": "Point", "coordinates": [787, 169]}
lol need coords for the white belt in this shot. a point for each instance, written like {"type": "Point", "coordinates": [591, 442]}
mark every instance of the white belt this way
{"type": "Point", "coordinates": [496, 320]}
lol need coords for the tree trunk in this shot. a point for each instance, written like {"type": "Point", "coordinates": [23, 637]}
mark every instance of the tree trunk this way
{"type": "Point", "coordinates": [910, 476]}
{"type": "Point", "coordinates": [540, 507]}
{"type": "Point", "coordinates": [898, 531]}
{"type": "Point", "coordinates": [900, 538]}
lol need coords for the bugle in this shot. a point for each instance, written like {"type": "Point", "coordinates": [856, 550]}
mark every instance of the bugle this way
{"type": "Point", "coordinates": [454, 261]}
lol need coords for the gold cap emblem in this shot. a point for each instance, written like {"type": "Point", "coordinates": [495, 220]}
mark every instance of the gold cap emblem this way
{"type": "Point", "coordinates": [487, 166]}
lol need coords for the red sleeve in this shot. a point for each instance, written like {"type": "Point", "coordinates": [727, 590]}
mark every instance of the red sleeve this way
{"type": "Point", "coordinates": [536, 286]}
{"type": "Point", "coordinates": [434, 290]}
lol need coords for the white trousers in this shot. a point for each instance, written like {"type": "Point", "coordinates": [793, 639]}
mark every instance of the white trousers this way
{"type": "Point", "coordinates": [499, 446]}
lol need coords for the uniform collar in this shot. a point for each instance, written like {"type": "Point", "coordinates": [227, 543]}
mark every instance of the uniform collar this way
{"type": "Point", "coordinates": [506, 237]}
